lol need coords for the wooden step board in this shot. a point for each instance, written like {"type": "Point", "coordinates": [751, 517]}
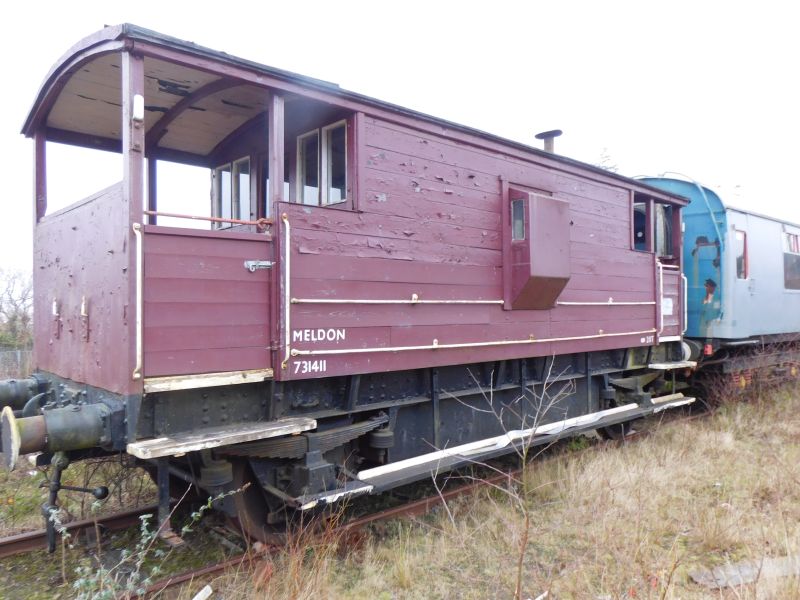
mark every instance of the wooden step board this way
{"type": "Point", "coordinates": [213, 437]}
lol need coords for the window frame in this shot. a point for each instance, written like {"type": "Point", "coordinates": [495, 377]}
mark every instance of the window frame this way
{"type": "Point", "coordinates": [323, 166]}
{"type": "Point", "coordinates": [235, 205]}
{"type": "Point", "coordinates": [791, 248]}
{"type": "Point", "coordinates": [745, 258]}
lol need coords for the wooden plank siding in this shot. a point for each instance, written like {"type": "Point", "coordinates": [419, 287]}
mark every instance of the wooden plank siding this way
{"type": "Point", "coordinates": [81, 256]}
{"type": "Point", "coordinates": [429, 225]}
{"type": "Point", "coordinates": [203, 311]}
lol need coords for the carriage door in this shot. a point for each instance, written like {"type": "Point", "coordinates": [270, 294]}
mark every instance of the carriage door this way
{"type": "Point", "coordinates": [671, 285]}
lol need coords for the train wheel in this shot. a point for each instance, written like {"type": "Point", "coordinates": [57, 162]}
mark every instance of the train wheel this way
{"type": "Point", "coordinates": [254, 505]}
{"type": "Point", "coordinates": [616, 432]}
{"type": "Point", "coordinates": [613, 432]}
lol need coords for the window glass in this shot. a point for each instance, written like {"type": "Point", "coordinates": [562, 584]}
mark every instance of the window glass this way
{"type": "Point", "coordinates": [791, 261]}
{"type": "Point", "coordinates": [232, 191]}
{"type": "Point", "coordinates": [336, 164]}
{"type": "Point", "coordinates": [640, 225]}
{"type": "Point", "coordinates": [224, 192]}
{"type": "Point", "coordinates": [517, 220]}
{"type": "Point", "coordinates": [663, 232]}
{"type": "Point", "coordinates": [308, 162]}
{"type": "Point", "coordinates": [241, 194]}
{"type": "Point", "coordinates": [740, 247]}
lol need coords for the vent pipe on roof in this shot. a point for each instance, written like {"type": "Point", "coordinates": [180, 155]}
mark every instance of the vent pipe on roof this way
{"type": "Point", "coordinates": [548, 137]}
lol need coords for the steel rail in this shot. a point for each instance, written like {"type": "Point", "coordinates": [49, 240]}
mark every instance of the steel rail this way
{"type": "Point", "coordinates": [37, 540]}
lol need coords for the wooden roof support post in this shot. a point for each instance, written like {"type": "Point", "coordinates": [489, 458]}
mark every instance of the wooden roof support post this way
{"type": "Point", "coordinates": [133, 160]}
{"type": "Point", "coordinates": [152, 188]}
{"type": "Point", "coordinates": [276, 167]}
{"type": "Point", "coordinates": [39, 174]}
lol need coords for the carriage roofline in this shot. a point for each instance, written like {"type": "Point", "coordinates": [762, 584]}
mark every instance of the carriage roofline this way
{"type": "Point", "coordinates": [125, 36]}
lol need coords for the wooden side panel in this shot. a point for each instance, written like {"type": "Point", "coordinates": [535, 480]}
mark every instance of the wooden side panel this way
{"type": "Point", "coordinates": [85, 314]}
{"type": "Point", "coordinates": [204, 312]}
{"type": "Point", "coordinates": [430, 228]}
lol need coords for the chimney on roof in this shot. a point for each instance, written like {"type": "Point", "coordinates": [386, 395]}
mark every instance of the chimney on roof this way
{"type": "Point", "coordinates": [548, 137]}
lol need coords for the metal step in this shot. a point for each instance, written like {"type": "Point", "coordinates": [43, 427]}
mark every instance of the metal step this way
{"type": "Point", "coordinates": [213, 437]}
{"type": "Point", "coordinates": [349, 490]}
{"type": "Point", "coordinates": [426, 465]}
{"type": "Point", "coordinates": [668, 366]}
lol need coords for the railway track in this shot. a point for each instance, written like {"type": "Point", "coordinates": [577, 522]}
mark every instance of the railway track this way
{"type": "Point", "coordinates": [36, 540]}
{"type": "Point", "coordinates": [412, 508]}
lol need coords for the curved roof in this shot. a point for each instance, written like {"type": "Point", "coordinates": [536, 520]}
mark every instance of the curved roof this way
{"type": "Point", "coordinates": [197, 98]}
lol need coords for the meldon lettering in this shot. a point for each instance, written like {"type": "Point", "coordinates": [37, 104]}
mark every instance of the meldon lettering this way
{"type": "Point", "coordinates": [318, 335]}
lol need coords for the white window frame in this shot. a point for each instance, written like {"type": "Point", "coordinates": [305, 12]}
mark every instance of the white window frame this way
{"type": "Point", "coordinates": [323, 164]}
{"type": "Point", "coordinates": [235, 207]}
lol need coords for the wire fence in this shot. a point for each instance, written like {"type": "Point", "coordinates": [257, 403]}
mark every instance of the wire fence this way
{"type": "Point", "coordinates": [15, 363]}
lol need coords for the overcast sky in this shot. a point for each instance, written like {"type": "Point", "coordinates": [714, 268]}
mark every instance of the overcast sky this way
{"type": "Point", "coordinates": [707, 89]}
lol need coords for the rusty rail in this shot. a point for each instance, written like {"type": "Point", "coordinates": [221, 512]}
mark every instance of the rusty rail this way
{"type": "Point", "coordinates": [261, 223]}
{"type": "Point", "coordinates": [37, 540]}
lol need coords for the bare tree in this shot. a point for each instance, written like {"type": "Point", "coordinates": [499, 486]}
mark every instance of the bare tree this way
{"type": "Point", "coordinates": [16, 309]}
{"type": "Point", "coordinates": [606, 162]}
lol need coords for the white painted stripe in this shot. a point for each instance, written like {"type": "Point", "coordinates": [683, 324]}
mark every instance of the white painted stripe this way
{"type": "Point", "coordinates": [437, 346]}
{"type": "Point", "coordinates": [403, 301]}
{"type": "Point", "coordinates": [494, 443]}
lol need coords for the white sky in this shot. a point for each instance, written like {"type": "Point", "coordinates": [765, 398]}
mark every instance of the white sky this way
{"type": "Point", "coordinates": [709, 89]}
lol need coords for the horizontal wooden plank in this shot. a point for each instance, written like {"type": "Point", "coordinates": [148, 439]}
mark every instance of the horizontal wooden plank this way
{"type": "Point", "coordinates": [197, 337]}
{"type": "Point", "coordinates": [389, 290]}
{"type": "Point", "coordinates": [162, 289]}
{"type": "Point", "coordinates": [413, 207]}
{"type": "Point", "coordinates": [613, 238]}
{"type": "Point", "coordinates": [186, 362]}
{"type": "Point", "coordinates": [185, 266]}
{"type": "Point", "coordinates": [388, 161]}
{"type": "Point", "coordinates": [173, 314]}
{"type": "Point", "coordinates": [213, 437]}
{"type": "Point", "coordinates": [156, 245]}
{"type": "Point", "coordinates": [354, 268]}
{"type": "Point", "coordinates": [403, 186]}
{"type": "Point", "coordinates": [314, 316]}
{"type": "Point", "coordinates": [603, 284]}
{"type": "Point", "coordinates": [394, 227]}
{"type": "Point", "coordinates": [332, 245]}
{"type": "Point", "coordinates": [600, 264]}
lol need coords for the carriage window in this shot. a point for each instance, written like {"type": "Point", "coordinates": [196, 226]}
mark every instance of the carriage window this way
{"type": "Point", "coordinates": [322, 165]}
{"type": "Point", "coordinates": [640, 225]}
{"type": "Point", "coordinates": [335, 167]}
{"type": "Point", "coordinates": [741, 254]}
{"type": "Point", "coordinates": [232, 190]}
{"type": "Point", "coordinates": [517, 220]}
{"type": "Point", "coordinates": [791, 261]}
{"type": "Point", "coordinates": [308, 167]}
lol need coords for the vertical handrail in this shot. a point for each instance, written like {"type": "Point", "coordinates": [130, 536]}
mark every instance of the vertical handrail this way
{"type": "Point", "coordinates": [685, 303]}
{"type": "Point", "coordinates": [137, 232]}
{"type": "Point", "coordinates": [660, 297]}
{"type": "Point", "coordinates": [286, 290]}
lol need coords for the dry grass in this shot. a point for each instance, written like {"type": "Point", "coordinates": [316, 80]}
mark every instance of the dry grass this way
{"type": "Point", "coordinates": [612, 522]}
{"type": "Point", "coordinates": [21, 497]}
